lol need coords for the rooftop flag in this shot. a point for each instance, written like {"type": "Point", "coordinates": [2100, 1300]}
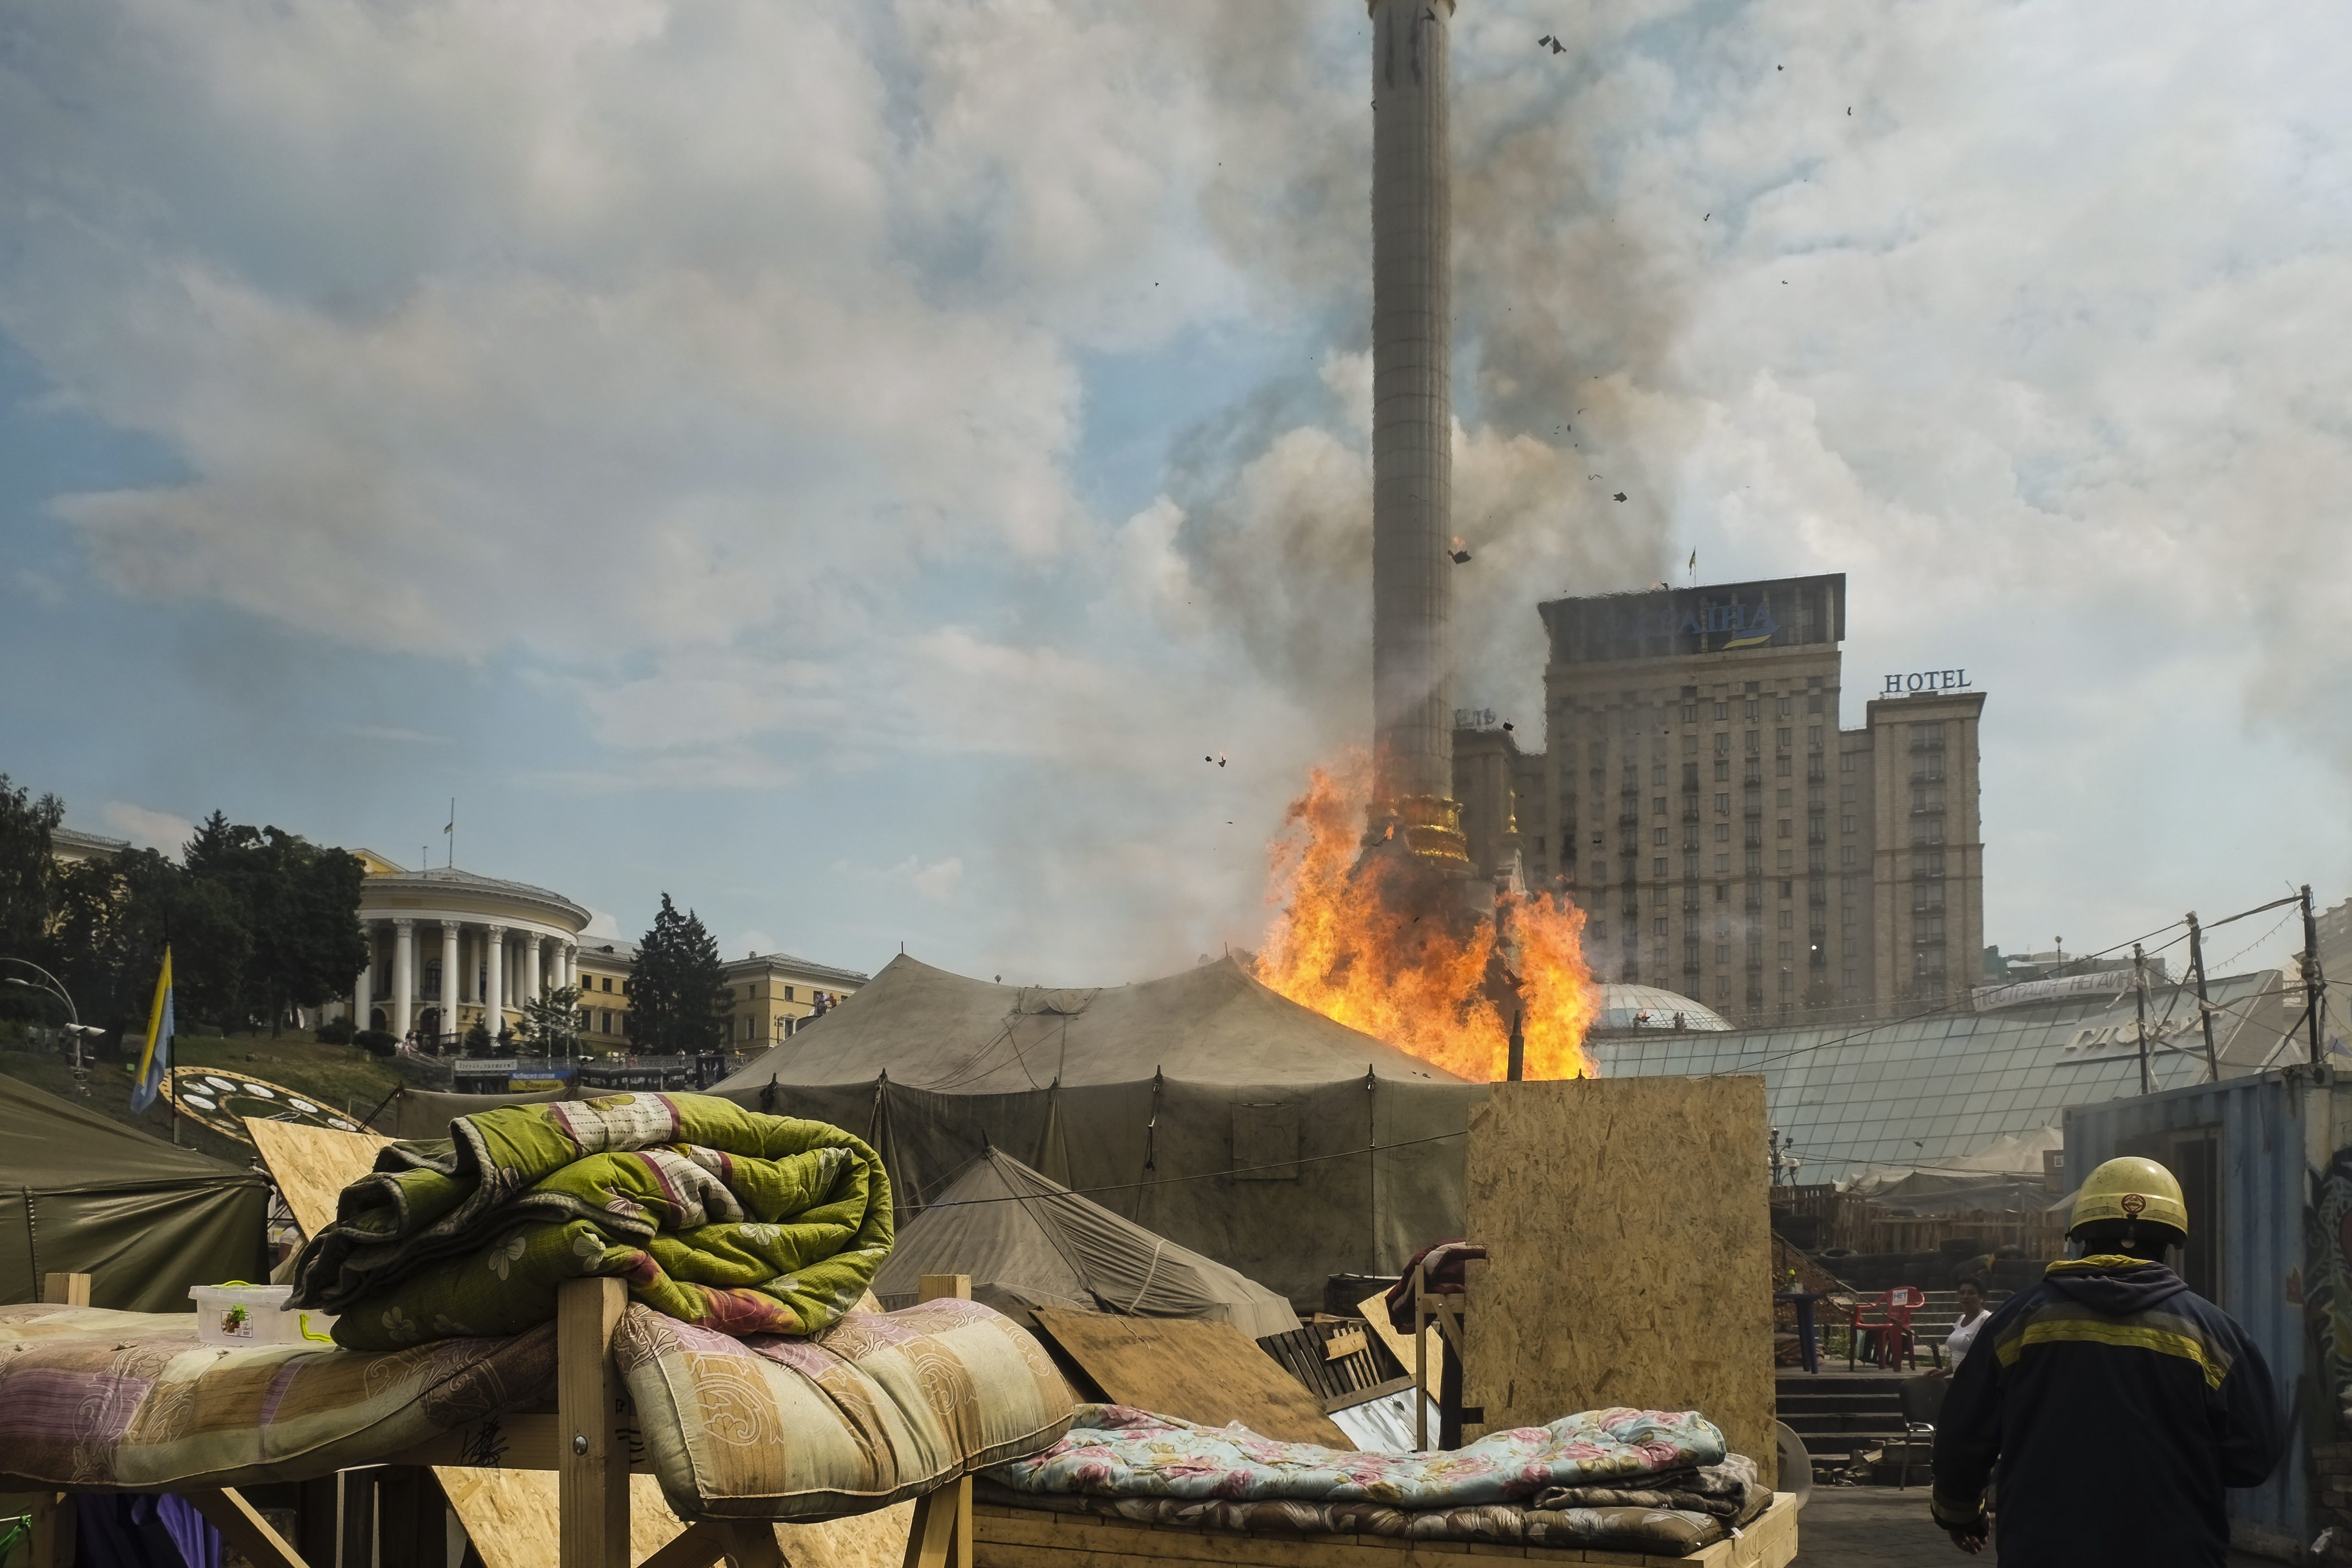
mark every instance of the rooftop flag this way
{"type": "Point", "coordinates": [156, 1060]}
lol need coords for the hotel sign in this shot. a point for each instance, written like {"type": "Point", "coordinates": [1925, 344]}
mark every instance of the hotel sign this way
{"type": "Point", "coordinates": [1675, 623]}
{"type": "Point", "coordinates": [1927, 680]}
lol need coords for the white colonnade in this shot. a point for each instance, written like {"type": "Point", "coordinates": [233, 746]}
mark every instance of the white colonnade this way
{"type": "Point", "coordinates": [487, 970]}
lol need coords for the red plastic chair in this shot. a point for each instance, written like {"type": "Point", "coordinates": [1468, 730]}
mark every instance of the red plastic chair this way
{"type": "Point", "coordinates": [1887, 1321]}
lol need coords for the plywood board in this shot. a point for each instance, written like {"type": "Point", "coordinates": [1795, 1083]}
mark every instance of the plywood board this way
{"type": "Point", "coordinates": [511, 1516]}
{"type": "Point", "coordinates": [312, 1165]}
{"type": "Point", "coordinates": [1628, 1237]}
{"type": "Point", "coordinates": [1375, 1310]}
{"type": "Point", "coordinates": [1209, 1373]}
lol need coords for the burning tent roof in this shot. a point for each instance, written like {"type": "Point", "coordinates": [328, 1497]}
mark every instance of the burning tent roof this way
{"type": "Point", "coordinates": [929, 1029]}
{"type": "Point", "coordinates": [1027, 1242]}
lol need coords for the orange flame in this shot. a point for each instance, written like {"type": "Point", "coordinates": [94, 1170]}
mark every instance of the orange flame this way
{"type": "Point", "coordinates": [1358, 945]}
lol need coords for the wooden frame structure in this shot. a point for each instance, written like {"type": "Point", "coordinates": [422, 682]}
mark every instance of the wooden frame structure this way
{"type": "Point", "coordinates": [582, 1440]}
{"type": "Point", "coordinates": [1446, 1310]}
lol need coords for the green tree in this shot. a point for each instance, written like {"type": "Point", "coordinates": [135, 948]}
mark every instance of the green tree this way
{"type": "Point", "coordinates": [112, 917]}
{"type": "Point", "coordinates": [678, 992]}
{"type": "Point", "coordinates": [27, 874]}
{"type": "Point", "coordinates": [299, 906]}
{"type": "Point", "coordinates": [552, 1023]}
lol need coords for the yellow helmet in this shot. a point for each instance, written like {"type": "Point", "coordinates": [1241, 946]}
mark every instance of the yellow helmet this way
{"type": "Point", "coordinates": [2131, 1188]}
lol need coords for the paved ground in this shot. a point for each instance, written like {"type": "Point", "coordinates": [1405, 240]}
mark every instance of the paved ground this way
{"type": "Point", "coordinates": [1871, 1526]}
{"type": "Point", "coordinates": [1880, 1526]}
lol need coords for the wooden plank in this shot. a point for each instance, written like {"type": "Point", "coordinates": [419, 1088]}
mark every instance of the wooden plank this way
{"type": "Point", "coordinates": [514, 1519]}
{"type": "Point", "coordinates": [932, 1535]}
{"type": "Point", "coordinates": [1347, 1341]}
{"type": "Point", "coordinates": [1209, 1373]}
{"type": "Point", "coordinates": [64, 1290]}
{"type": "Point", "coordinates": [951, 1287]}
{"type": "Point", "coordinates": [592, 1461]}
{"type": "Point", "coordinates": [54, 1539]}
{"type": "Point", "coordinates": [695, 1546]}
{"type": "Point", "coordinates": [1624, 1220]}
{"type": "Point", "coordinates": [312, 1165]}
{"type": "Point", "coordinates": [1375, 1310]}
{"type": "Point", "coordinates": [315, 1520]}
{"type": "Point", "coordinates": [357, 1525]}
{"type": "Point", "coordinates": [244, 1528]}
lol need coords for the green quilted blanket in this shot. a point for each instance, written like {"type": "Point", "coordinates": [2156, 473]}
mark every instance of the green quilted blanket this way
{"type": "Point", "coordinates": [715, 1215]}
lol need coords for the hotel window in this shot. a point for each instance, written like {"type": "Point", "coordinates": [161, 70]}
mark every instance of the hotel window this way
{"type": "Point", "coordinates": [1788, 862]}
{"type": "Point", "coordinates": [1690, 745]}
{"type": "Point", "coordinates": [1780, 737]}
{"type": "Point", "coordinates": [1690, 712]}
{"type": "Point", "coordinates": [1659, 836]}
{"type": "Point", "coordinates": [1754, 737]}
{"type": "Point", "coordinates": [1722, 867]}
{"type": "Point", "coordinates": [1723, 740]}
{"type": "Point", "coordinates": [1813, 736]}
{"type": "Point", "coordinates": [1661, 925]}
{"type": "Point", "coordinates": [1722, 769]}
{"type": "Point", "coordinates": [1780, 764]}
{"type": "Point", "coordinates": [1787, 950]}
{"type": "Point", "coordinates": [1845, 762]}
{"type": "Point", "coordinates": [1845, 823]}
{"type": "Point", "coordinates": [1784, 827]}
{"type": "Point", "coordinates": [1723, 953]}
{"type": "Point", "coordinates": [1659, 868]}
{"type": "Point", "coordinates": [1751, 708]}
{"type": "Point", "coordinates": [1722, 829]}
{"type": "Point", "coordinates": [1849, 855]}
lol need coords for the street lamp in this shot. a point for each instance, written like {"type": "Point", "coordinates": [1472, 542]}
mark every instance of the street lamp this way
{"type": "Point", "coordinates": [75, 1027]}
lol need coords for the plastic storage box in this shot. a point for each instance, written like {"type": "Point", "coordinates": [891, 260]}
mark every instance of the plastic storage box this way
{"type": "Point", "coordinates": [241, 1314]}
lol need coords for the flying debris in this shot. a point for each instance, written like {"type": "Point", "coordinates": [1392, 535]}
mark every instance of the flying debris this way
{"type": "Point", "coordinates": [1459, 557]}
{"type": "Point", "coordinates": [1621, 495]}
{"type": "Point", "coordinates": [1554, 44]}
{"type": "Point", "coordinates": [1508, 726]}
{"type": "Point", "coordinates": [1218, 760]}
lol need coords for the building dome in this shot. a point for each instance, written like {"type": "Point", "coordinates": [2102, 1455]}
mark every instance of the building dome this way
{"type": "Point", "coordinates": [1635, 1009]}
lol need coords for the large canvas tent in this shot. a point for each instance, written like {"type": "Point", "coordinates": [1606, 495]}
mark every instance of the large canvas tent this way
{"type": "Point", "coordinates": [1202, 1107]}
{"type": "Point", "coordinates": [81, 1194]}
{"type": "Point", "coordinates": [1028, 1242]}
{"type": "Point", "coordinates": [929, 1029]}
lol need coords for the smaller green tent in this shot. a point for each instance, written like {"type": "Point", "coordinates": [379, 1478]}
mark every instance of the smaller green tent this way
{"type": "Point", "coordinates": [82, 1194]}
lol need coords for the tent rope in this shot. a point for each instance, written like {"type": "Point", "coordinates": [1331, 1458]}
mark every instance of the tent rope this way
{"type": "Point", "coordinates": [1151, 1273]}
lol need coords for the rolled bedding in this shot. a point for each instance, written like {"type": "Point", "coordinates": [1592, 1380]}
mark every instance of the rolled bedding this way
{"type": "Point", "coordinates": [714, 1215]}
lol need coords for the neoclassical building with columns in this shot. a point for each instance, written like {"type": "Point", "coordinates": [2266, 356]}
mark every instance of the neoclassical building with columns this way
{"type": "Point", "coordinates": [448, 949]}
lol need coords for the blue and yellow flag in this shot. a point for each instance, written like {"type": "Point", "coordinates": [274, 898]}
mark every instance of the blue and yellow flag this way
{"type": "Point", "coordinates": [156, 1059]}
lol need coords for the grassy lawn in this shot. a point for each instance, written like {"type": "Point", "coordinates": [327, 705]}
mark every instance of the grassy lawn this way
{"type": "Point", "coordinates": [338, 1076]}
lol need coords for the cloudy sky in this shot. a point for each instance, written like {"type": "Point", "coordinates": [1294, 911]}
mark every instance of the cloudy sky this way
{"type": "Point", "coordinates": [844, 462]}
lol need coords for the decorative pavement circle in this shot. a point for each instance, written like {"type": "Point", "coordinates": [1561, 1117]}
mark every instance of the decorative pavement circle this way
{"type": "Point", "coordinates": [221, 1099]}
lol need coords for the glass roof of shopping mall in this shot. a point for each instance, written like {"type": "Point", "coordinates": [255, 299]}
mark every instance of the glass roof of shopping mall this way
{"type": "Point", "coordinates": [1915, 1091]}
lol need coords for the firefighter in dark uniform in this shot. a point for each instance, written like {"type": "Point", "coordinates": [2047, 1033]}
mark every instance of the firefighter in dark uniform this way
{"type": "Point", "coordinates": [2109, 1404]}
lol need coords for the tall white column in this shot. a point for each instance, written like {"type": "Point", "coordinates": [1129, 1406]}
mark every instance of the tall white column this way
{"type": "Point", "coordinates": [448, 977]}
{"type": "Point", "coordinates": [404, 975]}
{"type": "Point", "coordinates": [535, 958]}
{"type": "Point", "coordinates": [363, 989]}
{"type": "Point", "coordinates": [571, 964]}
{"type": "Point", "coordinates": [494, 948]}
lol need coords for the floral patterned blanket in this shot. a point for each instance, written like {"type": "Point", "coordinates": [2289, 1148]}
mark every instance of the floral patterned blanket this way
{"type": "Point", "coordinates": [716, 1216]}
{"type": "Point", "coordinates": [1116, 1451]}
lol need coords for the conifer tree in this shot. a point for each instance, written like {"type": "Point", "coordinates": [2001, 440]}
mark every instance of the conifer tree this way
{"type": "Point", "coordinates": [677, 992]}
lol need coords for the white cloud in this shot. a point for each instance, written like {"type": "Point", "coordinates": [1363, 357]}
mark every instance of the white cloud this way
{"type": "Point", "coordinates": [937, 882]}
{"type": "Point", "coordinates": [394, 735]}
{"type": "Point", "coordinates": [148, 829]}
{"type": "Point", "coordinates": [731, 369]}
